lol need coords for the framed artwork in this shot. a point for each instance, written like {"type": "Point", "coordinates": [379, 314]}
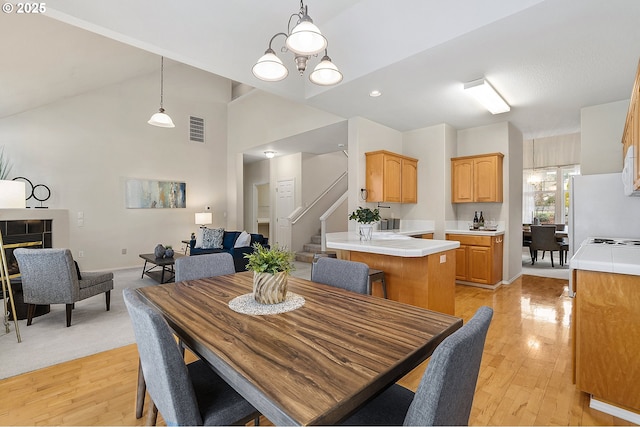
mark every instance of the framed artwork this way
{"type": "Point", "coordinates": [150, 194]}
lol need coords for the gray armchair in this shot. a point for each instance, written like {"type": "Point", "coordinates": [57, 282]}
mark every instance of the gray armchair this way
{"type": "Point", "coordinates": [50, 276]}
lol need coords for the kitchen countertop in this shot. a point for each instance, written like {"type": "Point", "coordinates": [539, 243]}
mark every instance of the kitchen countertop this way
{"type": "Point", "coordinates": [607, 258]}
{"type": "Point", "coordinates": [390, 243]}
{"type": "Point", "coordinates": [476, 232]}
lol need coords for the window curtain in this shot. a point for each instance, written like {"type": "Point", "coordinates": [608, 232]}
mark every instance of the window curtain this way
{"type": "Point", "coordinates": [551, 151]}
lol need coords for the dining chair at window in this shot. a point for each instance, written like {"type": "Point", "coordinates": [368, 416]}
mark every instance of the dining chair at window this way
{"type": "Point", "coordinates": [445, 393]}
{"type": "Point", "coordinates": [184, 394]}
{"type": "Point", "coordinates": [206, 265]}
{"type": "Point", "coordinates": [189, 268]}
{"type": "Point", "coordinates": [350, 275]}
{"type": "Point", "coordinates": [543, 238]}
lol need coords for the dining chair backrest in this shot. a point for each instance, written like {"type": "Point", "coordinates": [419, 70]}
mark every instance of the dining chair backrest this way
{"type": "Point", "coordinates": [165, 372]}
{"type": "Point", "coordinates": [543, 238]}
{"type": "Point", "coordinates": [206, 265]}
{"type": "Point", "coordinates": [445, 393]}
{"type": "Point", "coordinates": [560, 227]}
{"type": "Point", "coordinates": [350, 275]}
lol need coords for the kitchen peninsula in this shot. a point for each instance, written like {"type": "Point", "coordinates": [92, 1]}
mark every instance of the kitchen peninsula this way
{"type": "Point", "coordinates": [417, 271]}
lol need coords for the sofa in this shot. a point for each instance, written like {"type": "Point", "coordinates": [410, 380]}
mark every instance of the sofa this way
{"type": "Point", "coordinates": [228, 245]}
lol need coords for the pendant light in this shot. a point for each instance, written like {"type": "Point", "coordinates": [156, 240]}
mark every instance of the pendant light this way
{"type": "Point", "coordinates": [161, 119]}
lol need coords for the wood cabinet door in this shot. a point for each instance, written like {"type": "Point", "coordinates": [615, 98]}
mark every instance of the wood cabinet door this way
{"type": "Point", "coordinates": [392, 179]}
{"type": "Point", "coordinates": [409, 181]}
{"type": "Point", "coordinates": [480, 264]}
{"type": "Point", "coordinates": [461, 263]}
{"type": "Point", "coordinates": [462, 181]}
{"type": "Point", "coordinates": [485, 179]}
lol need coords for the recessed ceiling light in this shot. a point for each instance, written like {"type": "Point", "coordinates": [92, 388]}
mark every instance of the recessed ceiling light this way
{"type": "Point", "coordinates": [340, 145]}
{"type": "Point", "coordinates": [375, 93]}
{"type": "Point", "coordinates": [270, 154]}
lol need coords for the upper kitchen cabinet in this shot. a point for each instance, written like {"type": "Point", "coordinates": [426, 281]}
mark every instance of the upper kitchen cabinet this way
{"type": "Point", "coordinates": [391, 177]}
{"type": "Point", "coordinates": [631, 135]}
{"type": "Point", "coordinates": [476, 178]}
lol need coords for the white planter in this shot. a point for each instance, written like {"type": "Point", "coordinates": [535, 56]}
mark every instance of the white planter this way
{"type": "Point", "coordinates": [12, 195]}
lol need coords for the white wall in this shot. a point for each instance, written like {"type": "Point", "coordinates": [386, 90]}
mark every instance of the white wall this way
{"type": "Point", "coordinates": [85, 147]}
{"type": "Point", "coordinates": [254, 173]}
{"type": "Point", "coordinates": [602, 127]}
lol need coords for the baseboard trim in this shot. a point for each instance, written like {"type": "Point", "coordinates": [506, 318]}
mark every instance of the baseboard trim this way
{"type": "Point", "coordinates": [616, 411]}
{"type": "Point", "coordinates": [480, 285]}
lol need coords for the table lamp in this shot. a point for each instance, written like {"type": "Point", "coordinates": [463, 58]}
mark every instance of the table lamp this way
{"type": "Point", "coordinates": [12, 195]}
{"type": "Point", "coordinates": [204, 218]}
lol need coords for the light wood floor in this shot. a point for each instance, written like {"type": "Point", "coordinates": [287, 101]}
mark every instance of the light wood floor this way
{"type": "Point", "coordinates": [525, 377]}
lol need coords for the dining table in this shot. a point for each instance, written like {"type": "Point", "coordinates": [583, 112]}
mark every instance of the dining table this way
{"type": "Point", "coordinates": [313, 364]}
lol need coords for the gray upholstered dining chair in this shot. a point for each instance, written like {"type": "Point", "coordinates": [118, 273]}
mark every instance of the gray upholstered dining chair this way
{"type": "Point", "coordinates": [50, 276]}
{"type": "Point", "coordinates": [185, 394]}
{"type": "Point", "coordinates": [350, 275]}
{"type": "Point", "coordinates": [445, 393]}
{"type": "Point", "coordinates": [206, 265]}
{"type": "Point", "coordinates": [190, 268]}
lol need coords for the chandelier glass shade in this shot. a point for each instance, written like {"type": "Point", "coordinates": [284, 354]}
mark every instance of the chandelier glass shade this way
{"type": "Point", "coordinates": [304, 40]}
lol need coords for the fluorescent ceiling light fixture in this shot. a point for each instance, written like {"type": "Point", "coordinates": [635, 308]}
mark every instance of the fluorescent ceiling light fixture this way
{"type": "Point", "coordinates": [485, 93]}
{"type": "Point", "coordinates": [269, 154]}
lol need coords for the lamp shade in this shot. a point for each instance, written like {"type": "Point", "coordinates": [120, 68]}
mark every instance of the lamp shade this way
{"type": "Point", "coordinates": [12, 195]}
{"type": "Point", "coordinates": [204, 218]}
{"type": "Point", "coordinates": [326, 73]}
{"type": "Point", "coordinates": [306, 39]}
{"type": "Point", "coordinates": [270, 68]}
{"type": "Point", "coordinates": [161, 119]}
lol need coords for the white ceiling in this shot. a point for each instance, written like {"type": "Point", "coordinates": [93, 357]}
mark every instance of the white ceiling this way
{"type": "Point", "coordinates": [547, 58]}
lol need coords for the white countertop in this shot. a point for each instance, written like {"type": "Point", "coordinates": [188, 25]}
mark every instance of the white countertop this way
{"type": "Point", "coordinates": [390, 243]}
{"type": "Point", "coordinates": [476, 232]}
{"type": "Point", "coordinates": [607, 258]}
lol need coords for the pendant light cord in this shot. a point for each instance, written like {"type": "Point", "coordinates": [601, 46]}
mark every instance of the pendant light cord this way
{"type": "Point", "coordinates": [161, 82]}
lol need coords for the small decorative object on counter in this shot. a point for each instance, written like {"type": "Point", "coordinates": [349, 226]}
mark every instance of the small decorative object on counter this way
{"type": "Point", "coordinates": [271, 268]}
{"type": "Point", "coordinates": [159, 251]}
{"type": "Point", "coordinates": [365, 217]}
{"type": "Point", "coordinates": [476, 223]}
{"type": "Point", "coordinates": [481, 221]}
{"type": "Point", "coordinates": [168, 253]}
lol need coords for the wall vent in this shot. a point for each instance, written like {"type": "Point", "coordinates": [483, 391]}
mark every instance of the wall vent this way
{"type": "Point", "coordinates": [196, 129]}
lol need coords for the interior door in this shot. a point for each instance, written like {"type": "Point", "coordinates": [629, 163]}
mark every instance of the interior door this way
{"type": "Point", "coordinates": [285, 192]}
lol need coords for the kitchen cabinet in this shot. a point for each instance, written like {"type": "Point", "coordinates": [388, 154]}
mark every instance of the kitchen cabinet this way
{"type": "Point", "coordinates": [478, 259]}
{"type": "Point", "coordinates": [606, 336]}
{"type": "Point", "coordinates": [476, 178]}
{"type": "Point", "coordinates": [391, 177]}
{"type": "Point", "coordinates": [631, 134]}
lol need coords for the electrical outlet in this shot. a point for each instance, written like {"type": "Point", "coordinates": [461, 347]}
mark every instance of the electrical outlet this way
{"type": "Point", "coordinates": [124, 251]}
{"type": "Point", "coordinates": [443, 259]}
{"type": "Point", "coordinates": [80, 254]}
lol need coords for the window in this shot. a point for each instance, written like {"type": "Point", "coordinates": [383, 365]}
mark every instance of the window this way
{"type": "Point", "coordinates": [545, 194]}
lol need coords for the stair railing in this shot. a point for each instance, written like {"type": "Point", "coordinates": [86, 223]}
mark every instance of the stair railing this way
{"type": "Point", "coordinates": [326, 215]}
{"type": "Point", "coordinates": [296, 216]}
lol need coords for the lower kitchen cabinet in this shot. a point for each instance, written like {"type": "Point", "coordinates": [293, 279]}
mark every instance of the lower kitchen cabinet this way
{"type": "Point", "coordinates": [478, 259]}
{"type": "Point", "coordinates": [606, 337]}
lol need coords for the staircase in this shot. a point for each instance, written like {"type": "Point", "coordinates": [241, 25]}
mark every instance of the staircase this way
{"type": "Point", "coordinates": [309, 249]}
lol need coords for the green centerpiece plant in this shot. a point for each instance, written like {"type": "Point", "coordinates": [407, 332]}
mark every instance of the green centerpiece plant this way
{"type": "Point", "coordinates": [271, 267]}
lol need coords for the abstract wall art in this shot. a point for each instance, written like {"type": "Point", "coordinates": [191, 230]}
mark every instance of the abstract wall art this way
{"type": "Point", "coordinates": [150, 194]}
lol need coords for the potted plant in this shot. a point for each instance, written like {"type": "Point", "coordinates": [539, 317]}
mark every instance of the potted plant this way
{"type": "Point", "coordinates": [271, 268]}
{"type": "Point", "coordinates": [365, 217]}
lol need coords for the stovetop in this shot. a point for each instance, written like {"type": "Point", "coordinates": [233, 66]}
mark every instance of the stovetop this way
{"type": "Point", "coordinates": [607, 241]}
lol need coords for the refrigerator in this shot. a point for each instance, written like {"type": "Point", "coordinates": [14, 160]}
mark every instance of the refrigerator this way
{"type": "Point", "coordinates": [599, 208]}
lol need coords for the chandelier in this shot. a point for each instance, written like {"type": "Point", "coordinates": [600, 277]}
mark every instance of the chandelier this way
{"type": "Point", "coordinates": [304, 40]}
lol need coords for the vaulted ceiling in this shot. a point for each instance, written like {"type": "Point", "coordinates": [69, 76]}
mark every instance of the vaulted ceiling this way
{"type": "Point", "coordinates": [547, 58]}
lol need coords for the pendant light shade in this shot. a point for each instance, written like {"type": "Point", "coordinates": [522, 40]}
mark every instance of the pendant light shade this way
{"type": "Point", "coordinates": [269, 67]}
{"type": "Point", "coordinates": [304, 40]}
{"type": "Point", "coordinates": [326, 73]}
{"type": "Point", "coordinates": [161, 119]}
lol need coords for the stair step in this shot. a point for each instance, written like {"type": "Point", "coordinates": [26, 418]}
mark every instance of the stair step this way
{"type": "Point", "coordinates": [312, 247]}
{"type": "Point", "coordinates": [303, 256]}
{"type": "Point", "coordinates": [316, 239]}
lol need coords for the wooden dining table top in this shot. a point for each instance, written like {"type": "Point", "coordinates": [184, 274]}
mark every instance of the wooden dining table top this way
{"type": "Point", "coordinates": [313, 365]}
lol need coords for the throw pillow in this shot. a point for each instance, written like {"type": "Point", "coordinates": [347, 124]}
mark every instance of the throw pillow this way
{"type": "Point", "coordinates": [199, 238]}
{"type": "Point", "coordinates": [212, 238]}
{"type": "Point", "coordinates": [244, 239]}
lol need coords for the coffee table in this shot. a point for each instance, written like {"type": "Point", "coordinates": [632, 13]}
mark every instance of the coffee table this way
{"type": "Point", "coordinates": [165, 265]}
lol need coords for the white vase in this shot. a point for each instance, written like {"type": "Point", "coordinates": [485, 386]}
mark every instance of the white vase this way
{"type": "Point", "coordinates": [365, 231]}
